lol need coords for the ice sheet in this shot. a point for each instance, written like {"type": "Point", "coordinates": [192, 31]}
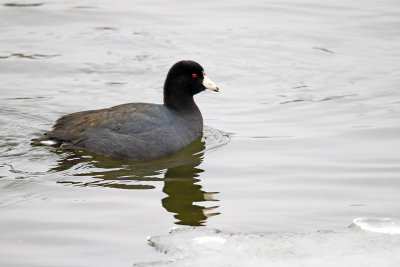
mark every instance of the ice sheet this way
{"type": "Point", "coordinates": [351, 246]}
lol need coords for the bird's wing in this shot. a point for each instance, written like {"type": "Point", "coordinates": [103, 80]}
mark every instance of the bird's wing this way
{"type": "Point", "coordinates": [129, 118]}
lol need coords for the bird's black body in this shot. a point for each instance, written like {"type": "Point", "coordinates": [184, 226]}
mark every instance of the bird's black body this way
{"type": "Point", "coordinates": [139, 131]}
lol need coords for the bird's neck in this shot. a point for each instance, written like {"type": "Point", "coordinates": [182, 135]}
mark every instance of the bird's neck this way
{"type": "Point", "coordinates": [177, 97]}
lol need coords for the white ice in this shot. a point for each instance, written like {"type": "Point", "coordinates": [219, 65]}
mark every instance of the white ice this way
{"type": "Point", "coordinates": [351, 246]}
{"type": "Point", "coordinates": [378, 225]}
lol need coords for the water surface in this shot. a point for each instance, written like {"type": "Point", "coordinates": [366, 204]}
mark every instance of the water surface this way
{"type": "Point", "coordinates": [304, 135]}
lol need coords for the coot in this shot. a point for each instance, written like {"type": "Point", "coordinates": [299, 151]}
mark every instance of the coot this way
{"type": "Point", "coordinates": [139, 131]}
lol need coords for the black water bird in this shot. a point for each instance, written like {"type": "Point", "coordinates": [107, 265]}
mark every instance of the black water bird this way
{"type": "Point", "coordinates": [139, 131]}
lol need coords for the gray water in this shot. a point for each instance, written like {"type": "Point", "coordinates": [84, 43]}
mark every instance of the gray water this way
{"type": "Point", "coordinates": [304, 135]}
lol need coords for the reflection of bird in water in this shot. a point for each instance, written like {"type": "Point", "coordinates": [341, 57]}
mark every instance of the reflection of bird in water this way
{"type": "Point", "coordinates": [182, 190]}
{"type": "Point", "coordinates": [180, 179]}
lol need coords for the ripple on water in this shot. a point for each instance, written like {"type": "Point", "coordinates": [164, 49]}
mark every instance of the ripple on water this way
{"type": "Point", "coordinates": [95, 170]}
{"type": "Point", "coordinates": [104, 169]}
{"type": "Point", "coordinates": [23, 4]}
{"type": "Point", "coordinates": [178, 174]}
{"type": "Point", "coordinates": [215, 138]}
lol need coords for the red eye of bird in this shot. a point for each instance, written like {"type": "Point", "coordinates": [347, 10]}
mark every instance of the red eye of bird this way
{"type": "Point", "coordinates": [194, 75]}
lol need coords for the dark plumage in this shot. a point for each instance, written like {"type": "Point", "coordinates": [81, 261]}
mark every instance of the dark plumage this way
{"type": "Point", "coordinates": [139, 131]}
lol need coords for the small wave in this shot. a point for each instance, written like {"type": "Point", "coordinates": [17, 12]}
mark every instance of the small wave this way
{"type": "Point", "coordinates": [23, 4]}
{"type": "Point", "coordinates": [29, 56]}
{"type": "Point", "coordinates": [310, 98]}
{"type": "Point", "coordinates": [214, 138]}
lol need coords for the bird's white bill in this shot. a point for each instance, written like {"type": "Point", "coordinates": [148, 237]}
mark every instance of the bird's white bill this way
{"type": "Point", "coordinates": [210, 84]}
